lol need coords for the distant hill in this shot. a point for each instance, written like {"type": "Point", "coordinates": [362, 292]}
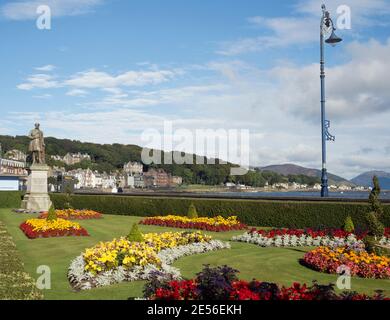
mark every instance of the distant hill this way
{"type": "Point", "coordinates": [292, 169]}
{"type": "Point", "coordinates": [365, 179]}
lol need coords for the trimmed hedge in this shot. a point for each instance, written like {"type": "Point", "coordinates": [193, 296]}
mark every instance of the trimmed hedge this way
{"type": "Point", "coordinates": [10, 199]}
{"type": "Point", "coordinates": [288, 214]}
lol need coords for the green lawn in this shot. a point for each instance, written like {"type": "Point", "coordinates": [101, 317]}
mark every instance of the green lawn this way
{"type": "Point", "coordinates": [278, 265]}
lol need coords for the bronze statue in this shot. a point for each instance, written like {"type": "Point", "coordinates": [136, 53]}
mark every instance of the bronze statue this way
{"type": "Point", "coordinates": [37, 145]}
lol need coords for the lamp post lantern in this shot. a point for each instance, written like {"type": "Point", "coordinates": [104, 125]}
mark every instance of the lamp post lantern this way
{"type": "Point", "coordinates": [327, 26]}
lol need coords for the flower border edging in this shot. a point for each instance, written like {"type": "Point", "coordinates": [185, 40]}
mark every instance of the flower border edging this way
{"type": "Point", "coordinates": [81, 280]}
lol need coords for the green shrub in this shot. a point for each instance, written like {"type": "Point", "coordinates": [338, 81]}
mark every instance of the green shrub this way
{"type": "Point", "coordinates": [372, 245]}
{"type": "Point", "coordinates": [348, 225]}
{"type": "Point", "coordinates": [374, 200]}
{"type": "Point", "coordinates": [192, 213]}
{"type": "Point", "coordinates": [369, 243]}
{"type": "Point", "coordinates": [68, 197]}
{"type": "Point", "coordinates": [375, 227]}
{"type": "Point", "coordinates": [15, 283]}
{"type": "Point", "coordinates": [135, 235]}
{"type": "Point", "coordinates": [52, 215]}
{"type": "Point", "coordinates": [10, 199]}
{"type": "Point", "coordinates": [265, 213]}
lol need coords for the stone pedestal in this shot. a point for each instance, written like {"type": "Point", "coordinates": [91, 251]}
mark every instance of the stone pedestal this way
{"type": "Point", "coordinates": [37, 197]}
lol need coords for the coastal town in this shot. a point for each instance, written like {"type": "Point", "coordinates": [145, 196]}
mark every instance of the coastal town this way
{"type": "Point", "coordinates": [133, 176]}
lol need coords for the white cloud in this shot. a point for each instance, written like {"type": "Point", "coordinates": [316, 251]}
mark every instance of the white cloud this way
{"type": "Point", "coordinates": [43, 96]}
{"type": "Point", "coordinates": [77, 93]}
{"type": "Point", "coordinates": [46, 68]}
{"type": "Point", "coordinates": [26, 10]}
{"type": "Point", "coordinates": [280, 106]}
{"type": "Point", "coordinates": [41, 81]}
{"type": "Point", "coordinates": [281, 32]}
{"type": "Point", "coordinates": [303, 28]}
{"type": "Point", "coordinates": [356, 88]}
{"type": "Point", "coordinates": [364, 12]}
{"type": "Point", "coordinates": [97, 79]}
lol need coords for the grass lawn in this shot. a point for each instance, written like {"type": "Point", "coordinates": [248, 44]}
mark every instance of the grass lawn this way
{"type": "Point", "coordinates": [279, 265]}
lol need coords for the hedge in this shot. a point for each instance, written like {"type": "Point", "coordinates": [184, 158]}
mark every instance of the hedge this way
{"type": "Point", "coordinates": [265, 213]}
{"type": "Point", "coordinates": [10, 199]}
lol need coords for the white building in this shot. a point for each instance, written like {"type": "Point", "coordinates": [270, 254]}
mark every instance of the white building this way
{"type": "Point", "coordinates": [130, 182]}
{"type": "Point", "coordinates": [139, 181]}
{"type": "Point", "coordinates": [133, 168]}
{"type": "Point", "coordinates": [108, 182]}
{"type": "Point", "coordinates": [15, 155]}
{"type": "Point", "coordinates": [317, 186]}
{"type": "Point", "coordinates": [13, 175]}
{"type": "Point", "coordinates": [72, 158]}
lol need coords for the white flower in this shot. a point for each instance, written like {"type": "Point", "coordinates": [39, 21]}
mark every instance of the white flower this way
{"type": "Point", "coordinates": [82, 280]}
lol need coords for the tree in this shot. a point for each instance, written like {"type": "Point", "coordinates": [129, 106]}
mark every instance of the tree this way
{"type": "Point", "coordinates": [68, 197]}
{"type": "Point", "coordinates": [52, 215]}
{"type": "Point", "coordinates": [135, 235]}
{"type": "Point", "coordinates": [348, 225]}
{"type": "Point", "coordinates": [192, 213]}
{"type": "Point", "coordinates": [376, 229]}
{"type": "Point", "coordinates": [374, 199]}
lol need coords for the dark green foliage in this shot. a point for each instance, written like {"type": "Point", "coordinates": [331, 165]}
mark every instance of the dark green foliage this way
{"type": "Point", "coordinates": [375, 227]}
{"type": "Point", "coordinates": [370, 243]}
{"type": "Point", "coordinates": [348, 225]}
{"type": "Point", "coordinates": [10, 199]}
{"type": "Point", "coordinates": [215, 283]}
{"type": "Point", "coordinates": [302, 179]}
{"type": "Point", "coordinates": [157, 280]}
{"type": "Point", "coordinates": [192, 213]}
{"type": "Point", "coordinates": [372, 246]}
{"type": "Point", "coordinates": [52, 215]}
{"type": "Point", "coordinates": [374, 200]}
{"type": "Point", "coordinates": [266, 213]}
{"type": "Point", "coordinates": [68, 197]}
{"type": "Point", "coordinates": [135, 235]}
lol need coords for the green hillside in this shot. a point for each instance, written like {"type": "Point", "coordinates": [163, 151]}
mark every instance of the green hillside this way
{"type": "Point", "coordinates": [111, 157]}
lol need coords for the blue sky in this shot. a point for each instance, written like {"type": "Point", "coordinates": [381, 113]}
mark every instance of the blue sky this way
{"type": "Point", "coordinates": [128, 66]}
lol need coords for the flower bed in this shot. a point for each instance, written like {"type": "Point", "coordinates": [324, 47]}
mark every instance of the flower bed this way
{"type": "Point", "coordinates": [42, 228]}
{"type": "Point", "coordinates": [296, 238]}
{"type": "Point", "coordinates": [360, 263]}
{"type": "Point", "coordinates": [222, 283]}
{"type": "Point", "coordinates": [71, 214]}
{"type": "Point", "coordinates": [216, 224]}
{"type": "Point", "coordinates": [15, 282]}
{"type": "Point", "coordinates": [121, 260]}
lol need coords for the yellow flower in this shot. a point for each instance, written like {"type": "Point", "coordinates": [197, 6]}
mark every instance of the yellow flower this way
{"type": "Point", "coordinates": [108, 255]}
{"type": "Point", "coordinates": [216, 221]}
{"type": "Point", "coordinates": [52, 225]}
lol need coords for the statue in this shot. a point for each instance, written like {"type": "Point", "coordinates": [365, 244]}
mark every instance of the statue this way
{"type": "Point", "coordinates": [37, 198]}
{"type": "Point", "coordinates": [37, 145]}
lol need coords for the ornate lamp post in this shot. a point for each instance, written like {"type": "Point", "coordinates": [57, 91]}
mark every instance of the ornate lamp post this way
{"type": "Point", "coordinates": [327, 26]}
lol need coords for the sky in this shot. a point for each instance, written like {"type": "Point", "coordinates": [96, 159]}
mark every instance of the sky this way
{"type": "Point", "coordinates": [107, 70]}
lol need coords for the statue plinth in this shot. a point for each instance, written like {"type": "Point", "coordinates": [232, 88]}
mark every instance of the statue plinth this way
{"type": "Point", "coordinates": [37, 197]}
